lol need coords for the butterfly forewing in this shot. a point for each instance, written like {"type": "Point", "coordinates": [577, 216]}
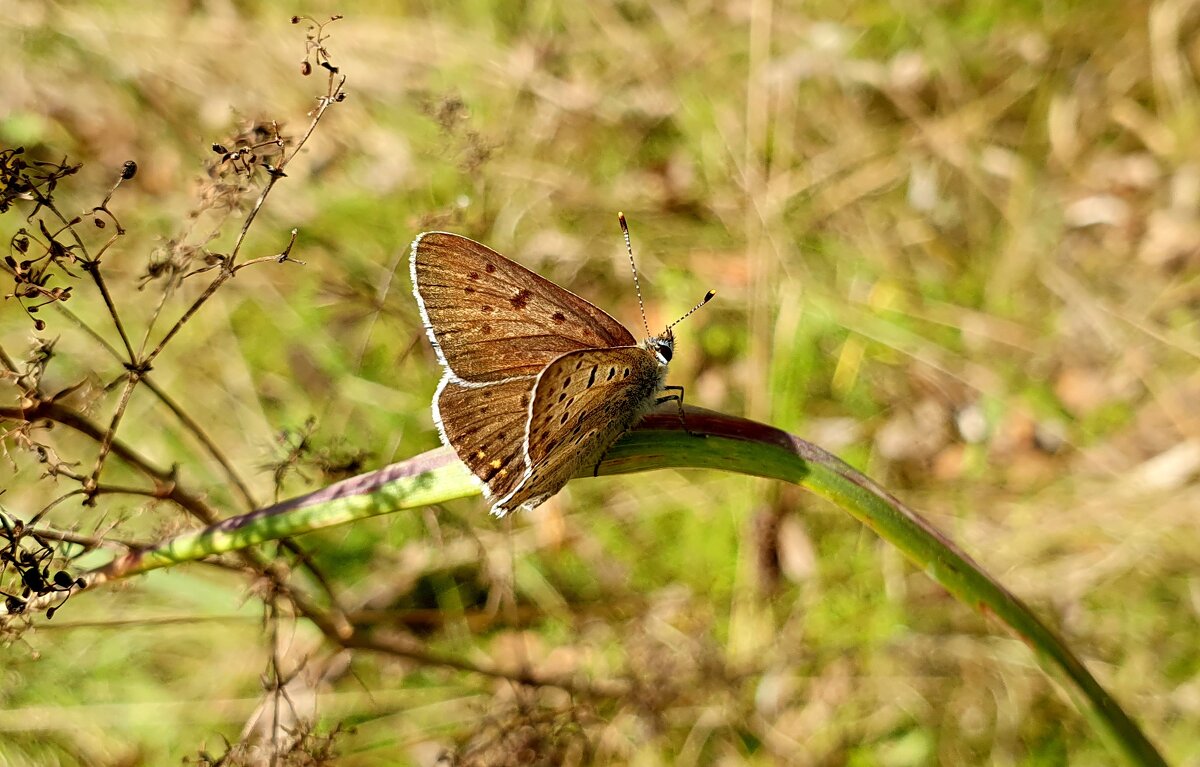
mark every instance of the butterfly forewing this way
{"type": "Point", "coordinates": [582, 403]}
{"type": "Point", "coordinates": [486, 427]}
{"type": "Point", "coordinates": [493, 319]}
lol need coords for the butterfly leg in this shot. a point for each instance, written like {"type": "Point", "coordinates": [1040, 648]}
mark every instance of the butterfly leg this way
{"type": "Point", "coordinates": [678, 399]}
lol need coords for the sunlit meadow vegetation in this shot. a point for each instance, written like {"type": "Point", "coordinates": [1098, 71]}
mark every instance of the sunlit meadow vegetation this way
{"type": "Point", "coordinates": [956, 243]}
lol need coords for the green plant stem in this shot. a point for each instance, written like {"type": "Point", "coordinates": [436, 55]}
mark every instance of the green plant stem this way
{"type": "Point", "coordinates": [731, 444]}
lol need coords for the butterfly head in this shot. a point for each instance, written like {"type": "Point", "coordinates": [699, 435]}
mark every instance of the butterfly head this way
{"type": "Point", "coordinates": [662, 346]}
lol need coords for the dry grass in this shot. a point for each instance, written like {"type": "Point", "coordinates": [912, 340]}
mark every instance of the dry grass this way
{"type": "Point", "coordinates": [958, 244]}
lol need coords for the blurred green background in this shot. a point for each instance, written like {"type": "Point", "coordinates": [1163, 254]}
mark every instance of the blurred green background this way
{"type": "Point", "coordinates": [955, 243]}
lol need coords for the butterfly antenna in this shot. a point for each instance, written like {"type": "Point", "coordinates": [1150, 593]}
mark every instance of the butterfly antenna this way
{"type": "Point", "coordinates": [707, 297]}
{"type": "Point", "coordinates": [633, 266]}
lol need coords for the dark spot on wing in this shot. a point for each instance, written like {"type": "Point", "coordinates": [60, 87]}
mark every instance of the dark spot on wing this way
{"type": "Point", "coordinates": [524, 400]}
{"type": "Point", "coordinates": [490, 268]}
{"type": "Point", "coordinates": [483, 409]}
{"type": "Point", "coordinates": [611, 372]}
{"type": "Point", "coordinates": [468, 290]}
{"type": "Point", "coordinates": [485, 309]}
{"type": "Point", "coordinates": [501, 435]}
{"type": "Point", "coordinates": [562, 396]}
{"type": "Point", "coordinates": [564, 418]}
{"type": "Point", "coordinates": [592, 377]}
{"type": "Point", "coordinates": [567, 382]}
{"type": "Point", "coordinates": [486, 329]}
{"type": "Point", "coordinates": [474, 275]}
{"type": "Point", "coordinates": [521, 299]}
{"type": "Point", "coordinates": [626, 373]}
{"type": "Point", "coordinates": [558, 317]}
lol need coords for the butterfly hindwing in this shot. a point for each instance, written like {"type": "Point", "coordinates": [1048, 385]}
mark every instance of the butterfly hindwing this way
{"type": "Point", "coordinates": [492, 319]}
{"type": "Point", "coordinates": [582, 403]}
{"type": "Point", "coordinates": [485, 425]}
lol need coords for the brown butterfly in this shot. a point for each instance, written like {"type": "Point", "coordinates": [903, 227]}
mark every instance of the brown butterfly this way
{"type": "Point", "coordinates": [539, 382]}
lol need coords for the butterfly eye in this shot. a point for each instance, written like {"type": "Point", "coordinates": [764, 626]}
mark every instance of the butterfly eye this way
{"type": "Point", "coordinates": [664, 351]}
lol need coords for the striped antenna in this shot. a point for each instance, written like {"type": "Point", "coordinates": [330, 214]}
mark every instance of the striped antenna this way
{"type": "Point", "coordinates": [633, 266]}
{"type": "Point", "coordinates": [707, 297]}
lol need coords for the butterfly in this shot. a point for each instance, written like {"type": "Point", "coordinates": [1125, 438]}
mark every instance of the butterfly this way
{"type": "Point", "coordinates": [538, 382]}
